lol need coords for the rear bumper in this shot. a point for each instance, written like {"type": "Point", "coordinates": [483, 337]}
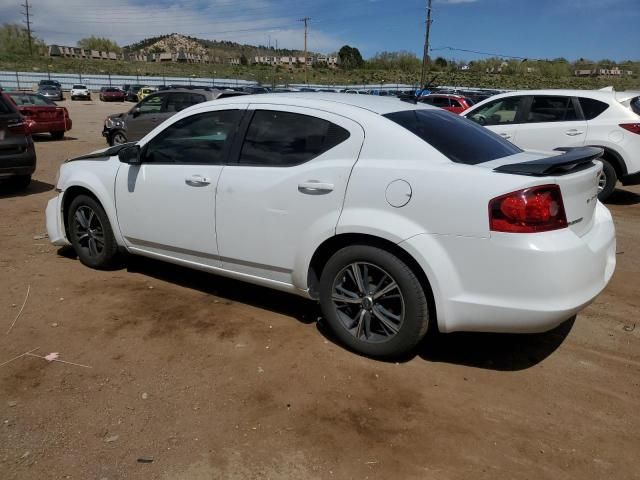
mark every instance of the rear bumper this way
{"type": "Point", "coordinates": [631, 179]}
{"type": "Point", "coordinates": [517, 283]}
{"type": "Point", "coordinates": [55, 126]}
{"type": "Point", "coordinates": [18, 164]}
{"type": "Point", "coordinates": [55, 223]}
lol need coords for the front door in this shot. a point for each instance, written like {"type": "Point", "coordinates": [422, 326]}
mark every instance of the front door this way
{"type": "Point", "coordinates": [501, 116]}
{"type": "Point", "coordinates": [144, 117]}
{"type": "Point", "coordinates": [166, 205]}
{"type": "Point", "coordinates": [286, 189]}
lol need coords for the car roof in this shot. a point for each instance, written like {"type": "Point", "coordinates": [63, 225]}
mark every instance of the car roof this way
{"type": "Point", "coordinates": [330, 101]}
{"type": "Point", "coordinates": [604, 95]}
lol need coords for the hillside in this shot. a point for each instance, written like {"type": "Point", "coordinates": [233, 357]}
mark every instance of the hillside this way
{"type": "Point", "coordinates": [176, 42]}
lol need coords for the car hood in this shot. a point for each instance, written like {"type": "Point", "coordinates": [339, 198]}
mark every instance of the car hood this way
{"type": "Point", "coordinates": [102, 154]}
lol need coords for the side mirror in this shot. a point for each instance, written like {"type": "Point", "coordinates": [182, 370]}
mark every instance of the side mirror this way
{"type": "Point", "coordinates": [135, 111]}
{"type": "Point", "coordinates": [130, 155]}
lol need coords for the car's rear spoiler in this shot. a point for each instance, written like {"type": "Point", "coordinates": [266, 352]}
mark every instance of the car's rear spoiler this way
{"type": "Point", "coordinates": [572, 159]}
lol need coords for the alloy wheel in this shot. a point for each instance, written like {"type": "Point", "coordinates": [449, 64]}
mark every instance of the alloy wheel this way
{"type": "Point", "coordinates": [602, 181]}
{"type": "Point", "coordinates": [119, 139]}
{"type": "Point", "coordinates": [89, 231]}
{"type": "Point", "coordinates": [368, 302]}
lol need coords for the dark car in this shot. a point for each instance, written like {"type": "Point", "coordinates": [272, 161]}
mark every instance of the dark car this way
{"type": "Point", "coordinates": [132, 93]}
{"type": "Point", "coordinates": [52, 83]}
{"type": "Point", "coordinates": [51, 92]}
{"type": "Point", "coordinates": [17, 153]}
{"type": "Point", "coordinates": [41, 115]}
{"type": "Point", "coordinates": [111, 94]}
{"type": "Point", "coordinates": [255, 90]}
{"type": "Point", "coordinates": [155, 109]}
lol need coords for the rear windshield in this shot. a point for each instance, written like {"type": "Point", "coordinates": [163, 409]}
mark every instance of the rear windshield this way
{"type": "Point", "coordinates": [4, 106]}
{"type": "Point", "coordinates": [635, 105]}
{"type": "Point", "coordinates": [458, 139]}
{"type": "Point", "coordinates": [111, 90]}
{"type": "Point", "coordinates": [27, 99]}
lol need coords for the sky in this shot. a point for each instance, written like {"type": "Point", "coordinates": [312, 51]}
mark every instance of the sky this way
{"type": "Point", "coordinates": [534, 29]}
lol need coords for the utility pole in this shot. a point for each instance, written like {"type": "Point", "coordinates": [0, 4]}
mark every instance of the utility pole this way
{"type": "Point", "coordinates": [27, 14]}
{"type": "Point", "coordinates": [306, 75]}
{"type": "Point", "coordinates": [425, 54]}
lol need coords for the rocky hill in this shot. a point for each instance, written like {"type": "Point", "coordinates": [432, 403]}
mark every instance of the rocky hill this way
{"type": "Point", "coordinates": [176, 42]}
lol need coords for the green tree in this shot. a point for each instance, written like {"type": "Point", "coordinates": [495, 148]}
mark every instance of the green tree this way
{"type": "Point", "coordinates": [243, 60]}
{"type": "Point", "coordinates": [441, 62]}
{"type": "Point", "coordinates": [350, 57]}
{"type": "Point", "coordinates": [98, 43]}
{"type": "Point", "coordinates": [14, 40]}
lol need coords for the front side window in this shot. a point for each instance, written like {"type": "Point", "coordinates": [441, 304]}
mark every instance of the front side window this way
{"type": "Point", "coordinates": [197, 139]}
{"type": "Point", "coordinates": [503, 111]}
{"type": "Point", "coordinates": [282, 139]}
{"type": "Point", "coordinates": [551, 109]}
{"type": "Point", "coordinates": [150, 104]}
{"type": "Point", "coordinates": [455, 137]}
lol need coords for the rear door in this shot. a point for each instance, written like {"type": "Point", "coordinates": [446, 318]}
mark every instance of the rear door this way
{"type": "Point", "coordinates": [11, 123]}
{"type": "Point", "coordinates": [286, 189]}
{"type": "Point", "coordinates": [550, 122]}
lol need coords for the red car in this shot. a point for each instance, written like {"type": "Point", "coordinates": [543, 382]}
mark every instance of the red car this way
{"type": "Point", "coordinates": [452, 103]}
{"type": "Point", "coordinates": [111, 94]}
{"type": "Point", "coordinates": [41, 114]}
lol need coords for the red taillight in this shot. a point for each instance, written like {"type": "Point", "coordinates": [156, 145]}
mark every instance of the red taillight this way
{"type": "Point", "coordinates": [632, 127]}
{"type": "Point", "coordinates": [535, 209]}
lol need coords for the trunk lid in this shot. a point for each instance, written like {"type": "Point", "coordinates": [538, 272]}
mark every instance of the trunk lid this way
{"type": "Point", "coordinates": [576, 171]}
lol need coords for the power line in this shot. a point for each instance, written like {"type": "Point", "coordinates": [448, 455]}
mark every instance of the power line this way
{"type": "Point", "coordinates": [481, 53]}
{"type": "Point", "coordinates": [306, 21]}
{"type": "Point", "coordinates": [27, 14]}
{"type": "Point", "coordinates": [425, 54]}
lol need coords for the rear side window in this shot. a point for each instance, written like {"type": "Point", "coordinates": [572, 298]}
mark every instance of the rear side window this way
{"type": "Point", "coordinates": [282, 139]}
{"type": "Point", "coordinates": [458, 139]}
{"type": "Point", "coordinates": [551, 109]}
{"type": "Point", "coordinates": [635, 105]}
{"type": "Point", "coordinates": [592, 108]}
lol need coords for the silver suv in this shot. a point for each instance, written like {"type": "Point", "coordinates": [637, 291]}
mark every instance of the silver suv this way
{"type": "Point", "coordinates": [154, 109]}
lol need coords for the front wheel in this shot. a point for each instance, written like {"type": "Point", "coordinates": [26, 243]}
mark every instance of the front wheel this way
{"type": "Point", "coordinates": [607, 181]}
{"type": "Point", "coordinates": [90, 233]}
{"type": "Point", "coordinates": [118, 138]}
{"type": "Point", "coordinates": [373, 302]}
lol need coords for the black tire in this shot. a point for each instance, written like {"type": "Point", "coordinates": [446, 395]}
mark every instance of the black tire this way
{"type": "Point", "coordinates": [57, 135]}
{"type": "Point", "coordinates": [117, 138]}
{"type": "Point", "coordinates": [608, 183]}
{"type": "Point", "coordinates": [73, 98]}
{"type": "Point", "coordinates": [20, 182]}
{"type": "Point", "coordinates": [364, 332]}
{"type": "Point", "coordinates": [90, 233]}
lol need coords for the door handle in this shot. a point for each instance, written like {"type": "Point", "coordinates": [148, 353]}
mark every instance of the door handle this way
{"type": "Point", "coordinates": [573, 132]}
{"type": "Point", "coordinates": [505, 135]}
{"type": "Point", "coordinates": [197, 181]}
{"type": "Point", "coordinates": [313, 187]}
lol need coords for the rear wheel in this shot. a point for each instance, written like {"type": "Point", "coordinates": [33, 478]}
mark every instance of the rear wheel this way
{"type": "Point", "coordinates": [373, 301]}
{"type": "Point", "coordinates": [607, 181]}
{"type": "Point", "coordinates": [90, 233]}
{"type": "Point", "coordinates": [57, 135]}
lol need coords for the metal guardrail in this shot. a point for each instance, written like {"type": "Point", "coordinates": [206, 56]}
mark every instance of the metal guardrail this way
{"type": "Point", "coordinates": [29, 80]}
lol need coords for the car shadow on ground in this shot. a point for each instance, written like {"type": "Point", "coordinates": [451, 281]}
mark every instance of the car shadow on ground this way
{"type": "Point", "coordinates": [623, 197]}
{"type": "Point", "coordinates": [45, 137]}
{"type": "Point", "coordinates": [35, 187]}
{"type": "Point", "coordinates": [492, 351]}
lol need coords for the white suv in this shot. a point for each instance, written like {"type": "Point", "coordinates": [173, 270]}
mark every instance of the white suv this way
{"type": "Point", "coordinates": [393, 215]}
{"type": "Point", "coordinates": [80, 91]}
{"type": "Point", "coordinates": [553, 119]}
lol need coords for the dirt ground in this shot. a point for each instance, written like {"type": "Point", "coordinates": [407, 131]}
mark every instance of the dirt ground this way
{"type": "Point", "coordinates": [195, 377]}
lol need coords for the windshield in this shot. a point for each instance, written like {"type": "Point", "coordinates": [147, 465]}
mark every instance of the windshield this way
{"type": "Point", "coordinates": [49, 88]}
{"type": "Point", "coordinates": [79, 87]}
{"type": "Point", "coordinates": [26, 99]}
{"type": "Point", "coordinates": [458, 139]}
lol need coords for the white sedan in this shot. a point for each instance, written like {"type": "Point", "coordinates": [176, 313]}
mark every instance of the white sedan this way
{"type": "Point", "coordinates": [393, 215]}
